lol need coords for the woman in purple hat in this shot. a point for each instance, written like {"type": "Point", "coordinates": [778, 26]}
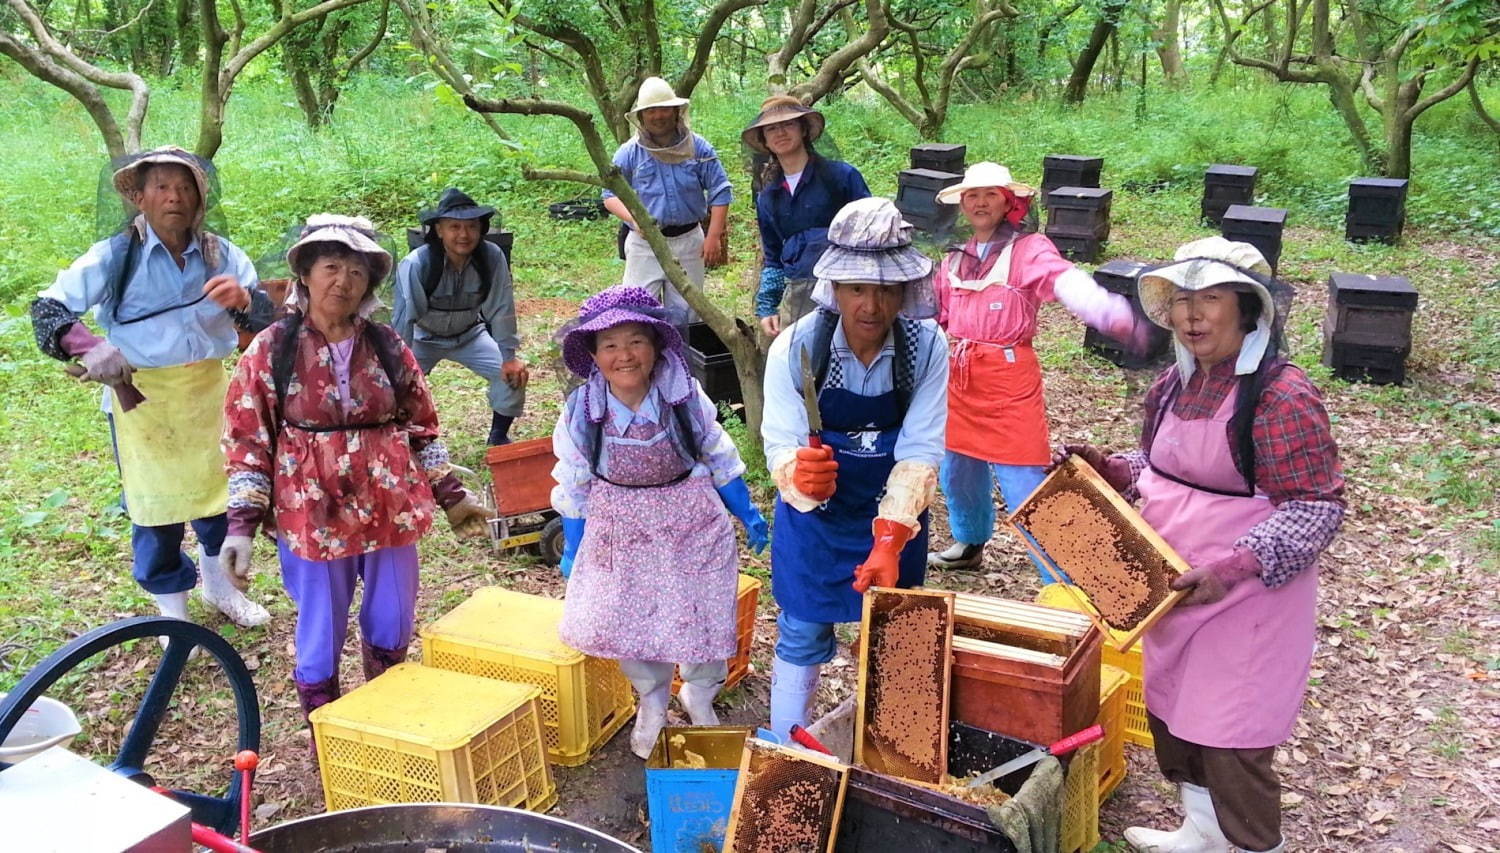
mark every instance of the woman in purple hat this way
{"type": "Point", "coordinates": [652, 580]}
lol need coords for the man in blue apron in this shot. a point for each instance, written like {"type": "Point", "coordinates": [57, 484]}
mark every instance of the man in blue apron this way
{"type": "Point", "coordinates": [170, 298]}
{"type": "Point", "coordinates": [851, 513]}
{"type": "Point", "coordinates": [455, 300]}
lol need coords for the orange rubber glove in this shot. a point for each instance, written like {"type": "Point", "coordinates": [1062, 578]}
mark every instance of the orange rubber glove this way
{"type": "Point", "coordinates": [816, 474]}
{"type": "Point", "coordinates": [883, 566]}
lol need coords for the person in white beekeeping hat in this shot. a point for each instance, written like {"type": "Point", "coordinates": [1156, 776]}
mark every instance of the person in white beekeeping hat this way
{"type": "Point", "coordinates": [681, 182]}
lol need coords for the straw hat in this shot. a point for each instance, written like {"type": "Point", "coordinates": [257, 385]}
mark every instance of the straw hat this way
{"type": "Point", "coordinates": [984, 174]}
{"type": "Point", "coordinates": [777, 109]}
{"type": "Point", "coordinates": [656, 92]}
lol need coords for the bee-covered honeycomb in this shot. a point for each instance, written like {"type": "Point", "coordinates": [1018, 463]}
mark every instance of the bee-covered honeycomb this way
{"type": "Point", "coordinates": [1100, 548]}
{"type": "Point", "coordinates": [906, 683]}
{"type": "Point", "coordinates": [785, 803]}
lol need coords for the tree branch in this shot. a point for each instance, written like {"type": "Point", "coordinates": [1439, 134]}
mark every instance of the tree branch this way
{"type": "Point", "coordinates": [704, 48]}
{"type": "Point", "coordinates": [442, 65]}
{"type": "Point", "coordinates": [369, 48]}
{"type": "Point", "coordinates": [45, 68]}
{"type": "Point", "coordinates": [887, 91]}
{"type": "Point", "coordinates": [831, 72]}
{"type": "Point", "coordinates": [572, 175]}
{"type": "Point", "coordinates": [1478, 102]}
{"type": "Point", "coordinates": [797, 37]}
{"type": "Point", "coordinates": [1444, 93]}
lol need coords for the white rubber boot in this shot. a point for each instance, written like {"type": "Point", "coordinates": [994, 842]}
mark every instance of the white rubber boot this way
{"type": "Point", "coordinates": [653, 681]}
{"type": "Point", "coordinates": [957, 556]}
{"type": "Point", "coordinates": [219, 593]}
{"type": "Point", "coordinates": [1280, 848]}
{"type": "Point", "coordinates": [1199, 832]}
{"type": "Point", "coordinates": [793, 689]}
{"type": "Point", "coordinates": [174, 604]}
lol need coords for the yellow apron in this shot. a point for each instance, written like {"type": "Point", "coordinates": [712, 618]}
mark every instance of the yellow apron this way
{"type": "Point", "coordinates": [170, 461]}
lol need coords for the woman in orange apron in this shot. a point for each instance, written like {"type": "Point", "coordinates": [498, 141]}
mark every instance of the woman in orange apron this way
{"type": "Point", "coordinates": [988, 293]}
{"type": "Point", "coordinates": [1239, 473]}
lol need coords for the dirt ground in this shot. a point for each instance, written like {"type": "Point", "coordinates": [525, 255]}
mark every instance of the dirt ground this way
{"type": "Point", "coordinates": [1397, 747]}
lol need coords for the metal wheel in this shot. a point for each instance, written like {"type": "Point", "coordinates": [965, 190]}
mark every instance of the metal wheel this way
{"type": "Point", "coordinates": [221, 813]}
{"type": "Point", "coordinates": [552, 541]}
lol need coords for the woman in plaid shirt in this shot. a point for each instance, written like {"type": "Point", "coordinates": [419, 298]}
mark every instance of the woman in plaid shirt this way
{"type": "Point", "coordinates": [1239, 473]}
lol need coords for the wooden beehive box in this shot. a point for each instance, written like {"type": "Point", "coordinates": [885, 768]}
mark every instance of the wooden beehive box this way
{"type": "Point", "coordinates": [1024, 670]}
{"type": "Point", "coordinates": [939, 156]}
{"type": "Point", "coordinates": [1069, 170]}
{"type": "Point", "coordinates": [1224, 185]}
{"type": "Point", "coordinates": [1079, 212]}
{"type": "Point", "coordinates": [905, 665]}
{"type": "Point", "coordinates": [1261, 227]}
{"type": "Point", "coordinates": [916, 198]}
{"type": "Point", "coordinates": [1077, 522]}
{"type": "Point", "coordinates": [785, 799]}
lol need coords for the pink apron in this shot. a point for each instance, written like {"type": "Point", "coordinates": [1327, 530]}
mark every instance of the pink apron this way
{"type": "Point", "coordinates": [1229, 674]}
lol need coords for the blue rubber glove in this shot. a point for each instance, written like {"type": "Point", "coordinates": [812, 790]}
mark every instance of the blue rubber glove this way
{"type": "Point", "coordinates": [736, 497]}
{"type": "Point", "coordinates": [768, 295]}
{"type": "Point", "coordinates": [572, 536]}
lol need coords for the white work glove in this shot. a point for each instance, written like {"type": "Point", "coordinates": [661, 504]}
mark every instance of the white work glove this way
{"type": "Point", "coordinates": [234, 556]}
{"type": "Point", "coordinates": [468, 518]}
{"type": "Point", "coordinates": [104, 363]}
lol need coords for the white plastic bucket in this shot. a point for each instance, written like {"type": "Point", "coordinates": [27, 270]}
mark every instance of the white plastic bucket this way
{"type": "Point", "coordinates": [47, 723]}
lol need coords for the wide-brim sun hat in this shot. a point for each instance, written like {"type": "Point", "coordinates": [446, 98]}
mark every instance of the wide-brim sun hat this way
{"type": "Point", "coordinates": [1202, 264]}
{"type": "Point", "coordinates": [358, 234]}
{"type": "Point", "coordinates": [613, 307]}
{"type": "Point", "coordinates": [656, 92]}
{"type": "Point", "coordinates": [869, 242]}
{"type": "Point", "coordinates": [985, 174]}
{"type": "Point", "coordinates": [127, 180]}
{"type": "Point", "coordinates": [777, 109]}
{"type": "Point", "coordinates": [456, 204]}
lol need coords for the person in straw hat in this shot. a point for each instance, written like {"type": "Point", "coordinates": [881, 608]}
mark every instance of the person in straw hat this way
{"type": "Point", "coordinates": [646, 483]}
{"type": "Point", "coordinates": [680, 180]}
{"type": "Point", "coordinates": [989, 291]}
{"type": "Point", "coordinates": [851, 513]}
{"type": "Point", "coordinates": [1238, 472]}
{"type": "Point", "coordinates": [169, 298]}
{"type": "Point", "coordinates": [332, 446]}
{"type": "Point", "coordinates": [455, 300]}
{"type": "Point", "coordinates": [800, 194]}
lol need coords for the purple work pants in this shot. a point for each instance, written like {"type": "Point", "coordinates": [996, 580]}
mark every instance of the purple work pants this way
{"type": "Point", "coordinates": [324, 590]}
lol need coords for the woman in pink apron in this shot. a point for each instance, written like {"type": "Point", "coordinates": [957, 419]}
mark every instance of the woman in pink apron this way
{"type": "Point", "coordinates": [646, 483]}
{"type": "Point", "coordinates": [1239, 473]}
{"type": "Point", "coordinates": [989, 291]}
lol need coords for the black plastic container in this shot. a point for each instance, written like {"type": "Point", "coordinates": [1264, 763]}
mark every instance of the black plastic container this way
{"type": "Point", "coordinates": [1119, 276]}
{"type": "Point", "coordinates": [939, 156]}
{"type": "Point", "coordinates": [1367, 327]}
{"type": "Point", "coordinates": [1224, 185]}
{"type": "Point", "coordinates": [1359, 363]}
{"type": "Point", "coordinates": [916, 198]}
{"type": "Point", "coordinates": [1069, 170]}
{"type": "Point", "coordinates": [1377, 209]}
{"type": "Point", "coordinates": [502, 238]}
{"type": "Point", "coordinates": [712, 365]}
{"type": "Point", "coordinates": [1261, 227]}
{"type": "Point", "coordinates": [1082, 250]}
{"type": "Point", "coordinates": [1079, 212]}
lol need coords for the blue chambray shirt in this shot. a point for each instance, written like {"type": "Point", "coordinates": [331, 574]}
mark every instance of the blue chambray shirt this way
{"type": "Point", "coordinates": [182, 336]}
{"type": "Point", "coordinates": [675, 193]}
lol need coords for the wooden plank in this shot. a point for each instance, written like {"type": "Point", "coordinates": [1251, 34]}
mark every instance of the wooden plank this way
{"type": "Point", "coordinates": [785, 799]}
{"type": "Point", "coordinates": [1018, 653]}
{"type": "Point", "coordinates": [905, 664]}
{"type": "Point", "coordinates": [1076, 522]}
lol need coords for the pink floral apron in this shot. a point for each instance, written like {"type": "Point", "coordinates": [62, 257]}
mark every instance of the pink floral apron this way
{"type": "Point", "coordinates": [657, 570]}
{"type": "Point", "coordinates": [1230, 674]}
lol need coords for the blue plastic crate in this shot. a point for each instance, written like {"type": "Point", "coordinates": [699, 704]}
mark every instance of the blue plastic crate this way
{"type": "Point", "coordinates": [689, 806]}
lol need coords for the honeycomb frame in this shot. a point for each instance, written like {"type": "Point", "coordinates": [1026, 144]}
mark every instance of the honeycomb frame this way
{"type": "Point", "coordinates": [891, 736]}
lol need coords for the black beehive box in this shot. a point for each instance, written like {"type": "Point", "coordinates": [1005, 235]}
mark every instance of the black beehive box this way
{"type": "Point", "coordinates": [1224, 185]}
{"type": "Point", "coordinates": [1069, 170]}
{"type": "Point", "coordinates": [1079, 212]}
{"type": "Point", "coordinates": [1377, 209]}
{"type": "Point", "coordinates": [916, 198]}
{"type": "Point", "coordinates": [1261, 227]}
{"type": "Point", "coordinates": [709, 360]}
{"type": "Point", "coordinates": [1119, 276]}
{"type": "Point", "coordinates": [939, 156]}
{"type": "Point", "coordinates": [1079, 250]}
{"type": "Point", "coordinates": [502, 238]}
{"type": "Point", "coordinates": [1367, 328]}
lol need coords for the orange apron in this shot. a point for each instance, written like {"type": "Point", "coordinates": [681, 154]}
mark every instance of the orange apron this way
{"type": "Point", "coordinates": [996, 411]}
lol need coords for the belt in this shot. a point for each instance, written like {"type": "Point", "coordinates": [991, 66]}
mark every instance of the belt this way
{"type": "Point", "coordinates": [677, 230]}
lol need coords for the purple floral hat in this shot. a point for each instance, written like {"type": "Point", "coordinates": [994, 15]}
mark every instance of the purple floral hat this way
{"type": "Point", "coordinates": [614, 307]}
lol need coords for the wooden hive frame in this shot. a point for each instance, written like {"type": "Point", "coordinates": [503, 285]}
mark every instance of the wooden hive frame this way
{"type": "Point", "coordinates": [1019, 623]}
{"type": "Point", "coordinates": [871, 748]}
{"type": "Point", "coordinates": [767, 771]}
{"type": "Point", "coordinates": [1077, 476]}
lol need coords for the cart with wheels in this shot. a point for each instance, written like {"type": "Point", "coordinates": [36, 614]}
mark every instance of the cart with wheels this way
{"type": "Point", "coordinates": [521, 491]}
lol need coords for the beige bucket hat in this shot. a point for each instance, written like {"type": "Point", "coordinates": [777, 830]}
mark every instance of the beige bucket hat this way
{"type": "Point", "coordinates": [656, 92]}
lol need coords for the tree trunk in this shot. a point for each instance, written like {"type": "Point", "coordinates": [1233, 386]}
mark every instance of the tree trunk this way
{"type": "Point", "coordinates": [1078, 81]}
{"type": "Point", "coordinates": [1169, 47]}
{"type": "Point", "coordinates": [307, 97]}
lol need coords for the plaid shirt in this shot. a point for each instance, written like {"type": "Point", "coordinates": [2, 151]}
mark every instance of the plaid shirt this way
{"type": "Point", "coordinates": [1296, 461]}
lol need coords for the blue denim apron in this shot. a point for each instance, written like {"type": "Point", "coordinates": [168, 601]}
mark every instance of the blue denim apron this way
{"type": "Point", "coordinates": [813, 554]}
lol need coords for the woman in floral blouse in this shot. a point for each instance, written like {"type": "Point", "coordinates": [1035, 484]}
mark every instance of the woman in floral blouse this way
{"type": "Point", "coordinates": [331, 442]}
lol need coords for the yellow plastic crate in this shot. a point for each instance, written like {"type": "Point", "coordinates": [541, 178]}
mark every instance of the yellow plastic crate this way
{"type": "Point", "coordinates": [512, 636]}
{"type": "Point", "coordinates": [1080, 823]}
{"type": "Point", "coordinates": [747, 598]}
{"type": "Point", "coordinates": [1136, 729]}
{"type": "Point", "coordinates": [420, 735]}
{"type": "Point", "coordinates": [1112, 681]}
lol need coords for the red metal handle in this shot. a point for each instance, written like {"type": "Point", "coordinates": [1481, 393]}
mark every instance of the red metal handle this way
{"type": "Point", "coordinates": [245, 761]}
{"type": "Point", "coordinates": [814, 440]}
{"type": "Point", "coordinates": [1073, 741]}
{"type": "Point", "coordinates": [218, 843]}
{"type": "Point", "coordinates": [800, 735]}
